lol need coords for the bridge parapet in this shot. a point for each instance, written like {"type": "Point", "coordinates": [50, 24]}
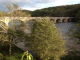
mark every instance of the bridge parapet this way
{"type": "Point", "coordinates": [24, 19]}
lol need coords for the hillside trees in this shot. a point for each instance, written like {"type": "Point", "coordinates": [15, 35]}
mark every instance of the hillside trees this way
{"type": "Point", "coordinates": [59, 12]}
{"type": "Point", "coordinates": [77, 16]}
{"type": "Point", "coordinates": [46, 40]}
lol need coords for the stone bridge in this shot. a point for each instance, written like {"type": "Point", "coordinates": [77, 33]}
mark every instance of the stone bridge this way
{"type": "Point", "coordinates": [23, 20]}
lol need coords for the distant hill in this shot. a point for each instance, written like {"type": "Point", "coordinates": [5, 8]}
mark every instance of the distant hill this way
{"type": "Point", "coordinates": [59, 11]}
{"type": "Point", "coordinates": [26, 11]}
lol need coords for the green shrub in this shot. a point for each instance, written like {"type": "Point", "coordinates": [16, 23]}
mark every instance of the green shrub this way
{"type": "Point", "coordinates": [18, 56]}
{"type": "Point", "coordinates": [10, 58]}
{"type": "Point", "coordinates": [28, 56]}
{"type": "Point", "coordinates": [1, 55]}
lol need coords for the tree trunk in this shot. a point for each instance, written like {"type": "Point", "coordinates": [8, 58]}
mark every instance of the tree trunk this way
{"type": "Point", "coordinates": [10, 48]}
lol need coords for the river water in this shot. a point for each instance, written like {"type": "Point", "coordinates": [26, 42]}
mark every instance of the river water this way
{"type": "Point", "coordinates": [64, 27]}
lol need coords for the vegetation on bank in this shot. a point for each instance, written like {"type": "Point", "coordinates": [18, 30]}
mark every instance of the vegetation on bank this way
{"type": "Point", "coordinates": [16, 52]}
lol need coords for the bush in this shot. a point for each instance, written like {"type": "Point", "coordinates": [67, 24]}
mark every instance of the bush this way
{"type": "Point", "coordinates": [1, 55]}
{"type": "Point", "coordinates": [10, 58]}
{"type": "Point", "coordinates": [46, 40]}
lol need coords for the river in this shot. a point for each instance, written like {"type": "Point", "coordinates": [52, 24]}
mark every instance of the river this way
{"type": "Point", "coordinates": [64, 27]}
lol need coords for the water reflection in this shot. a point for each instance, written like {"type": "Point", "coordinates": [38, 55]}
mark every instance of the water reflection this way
{"type": "Point", "coordinates": [64, 27]}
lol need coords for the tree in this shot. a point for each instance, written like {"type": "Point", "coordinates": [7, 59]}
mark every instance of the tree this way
{"type": "Point", "coordinates": [14, 34]}
{"type": "Point", "coordinates": [15, 11]}
{"type": "Point", "coordinates": [46, 40]}
{"type": "Point", "coordinates": [77, 16]}
{"type": "Point", "coordinates": [59, 12]}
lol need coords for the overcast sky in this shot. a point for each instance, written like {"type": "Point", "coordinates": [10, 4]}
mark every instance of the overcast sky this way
{"type": "Point", "coordinates": [37, 4]}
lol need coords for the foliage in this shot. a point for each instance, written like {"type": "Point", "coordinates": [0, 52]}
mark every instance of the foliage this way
{"type": "Point", "coordinates": [72, 55]}
{"type": "Point", "coordinates": [16, 52]}
{"type": "Point", "coordinates": [77, 16]}
{"type": "Point", "coordinates": [15, 11]}
{"type": "Point", "coordinates": [10, 58]}
{"type": "Point", "coordinates": [74, 32]}
{"type": "Point", "coordinates": [15, 34]}
{"type": "Point", "coordinates": [46, 40]}
{"type": "Point", "coordinates": [59, 11]}
{"type": "Point", "coordinates": [28, 55]}
{"type": "Point", "coordinates": [3, 38]}
{"type": "Point", "coordinates": [1, 55]}
{"type": "Point", "coordinates": [1, 14]}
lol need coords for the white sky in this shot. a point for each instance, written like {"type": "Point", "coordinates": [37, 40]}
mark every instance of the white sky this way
{"type": "Point", "coordinates": [37, 4]}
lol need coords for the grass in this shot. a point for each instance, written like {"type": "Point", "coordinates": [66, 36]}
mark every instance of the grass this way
{"type": "Point", "coordinates": [16, 52]}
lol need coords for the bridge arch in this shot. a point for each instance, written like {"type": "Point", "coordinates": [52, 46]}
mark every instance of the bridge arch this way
{"type": "Point", "coordinates": [69, 20]}
{"type": "Point", "coordinates": [64, 20]}
{"type": "Point", "coordinates": [59, 20]}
